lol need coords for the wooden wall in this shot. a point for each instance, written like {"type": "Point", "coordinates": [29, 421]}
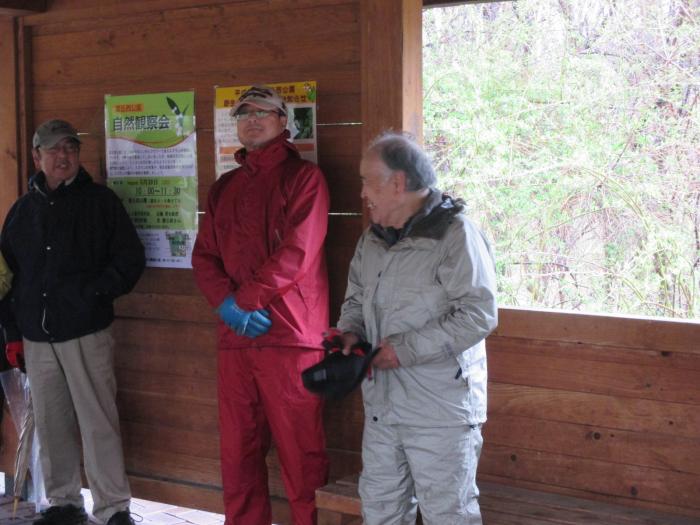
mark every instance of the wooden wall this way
{"type": "Point", "coordinates": [601, 407]}
{"type": "Point", "coordinates": [67, 58]}
{"type": "Point", "coordinates": [80, 51]}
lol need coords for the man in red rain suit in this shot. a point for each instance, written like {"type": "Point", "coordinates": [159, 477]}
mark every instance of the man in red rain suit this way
{"type": "Point", "coordinates": [259, 261]}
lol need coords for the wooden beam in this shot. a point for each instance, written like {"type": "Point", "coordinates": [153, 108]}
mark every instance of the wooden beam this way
{"type": "Point", "coordinates": [391, 61]}
{"type": "Point", "coordinates": [391, 48]}
{"type": "Point", "coordinates": [442, 3]}
{"type": "Point", "coordinates": [9, 150]}
{"type": "Point", "coordinates": [25, 106]}
{"type": "Point", "coordinates": [21, 7]}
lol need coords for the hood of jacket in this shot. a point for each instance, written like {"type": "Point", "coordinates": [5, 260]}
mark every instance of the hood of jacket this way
{"type": "Point", "coordinates": [430, 221]}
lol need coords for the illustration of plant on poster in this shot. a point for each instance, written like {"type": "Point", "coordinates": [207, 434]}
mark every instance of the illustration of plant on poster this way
{"type": "Point", "coordinates": [300, 98]}
{"type": "Point", "coordinates": [152, 166]}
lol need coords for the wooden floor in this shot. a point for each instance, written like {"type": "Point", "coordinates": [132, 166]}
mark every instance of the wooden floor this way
{"type": "Point", "coordinates": [25, 512]}
{"type": "Point", "coordinates": [145, 513]}
{"type": "Point", "coordinates": [506, 505]}
{"type": "Point", "coordinates": [500, 504]}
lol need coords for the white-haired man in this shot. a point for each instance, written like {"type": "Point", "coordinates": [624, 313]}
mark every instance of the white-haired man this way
{"type": "Point", "coordinates": [422, 287]}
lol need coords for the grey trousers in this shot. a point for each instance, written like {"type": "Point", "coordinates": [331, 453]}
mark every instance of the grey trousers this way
{"type": "Point", "coordinates": [73, 392]}
{"type": "Point", "coordinates": [404, 467]}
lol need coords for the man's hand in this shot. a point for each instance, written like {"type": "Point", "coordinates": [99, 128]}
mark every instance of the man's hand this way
{"type": "Point", "coordinates": [243, 322]}
{"type": "Point", "coordinates": [14, 350]}
{"type": "Point", "coordinates": [386, 358]}
{"type": "Point", "coordinates": [334, 340]}
{"type": "Point", "coordinates": [349, 340]}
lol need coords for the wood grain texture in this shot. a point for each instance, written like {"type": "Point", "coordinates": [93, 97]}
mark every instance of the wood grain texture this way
{"type": "Point", "coordinates": [9, 131]}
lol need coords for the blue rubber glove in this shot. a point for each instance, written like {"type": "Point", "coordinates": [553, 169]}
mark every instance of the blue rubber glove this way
{"type": "Point", "coordinates": [243, 322]}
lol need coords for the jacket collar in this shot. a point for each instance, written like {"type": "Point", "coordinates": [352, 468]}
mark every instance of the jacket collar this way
{"type": "Point", "coordinates": [37, 182]}
{"type": "Point", "coordinates": [431, 221]}
{"type": "Point", "coordinates": [276, 152]}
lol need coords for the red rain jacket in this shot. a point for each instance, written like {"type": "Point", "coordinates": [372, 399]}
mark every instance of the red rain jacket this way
{"type": "Point", "coordinates": [261, 240]}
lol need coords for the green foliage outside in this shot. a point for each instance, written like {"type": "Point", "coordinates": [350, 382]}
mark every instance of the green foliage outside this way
{"type": "Point", "coordinates": [572, 130]}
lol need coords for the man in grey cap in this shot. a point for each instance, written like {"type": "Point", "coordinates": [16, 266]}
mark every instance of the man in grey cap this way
{"type": "Point", "coordinates": [259, 262]}
{"type": "Point", "coordinates": [72, 249]}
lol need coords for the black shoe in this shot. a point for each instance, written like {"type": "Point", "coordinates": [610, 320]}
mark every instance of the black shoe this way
{"type": "Point", "coordinates": [123, 517]}
{"type": "Point", "coordinates": [62, 515]}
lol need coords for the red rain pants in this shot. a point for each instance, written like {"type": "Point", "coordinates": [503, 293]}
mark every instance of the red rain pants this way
{"type": "Point", "coordinates": [261, 396]}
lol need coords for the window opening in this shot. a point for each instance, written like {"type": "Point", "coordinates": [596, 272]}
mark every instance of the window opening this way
{"type": "Point", "coordinates": [572, 130]}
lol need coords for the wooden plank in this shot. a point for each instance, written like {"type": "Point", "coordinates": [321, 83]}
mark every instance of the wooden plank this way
{"type": "Point", "coordinates": [169, 307]}
{"type": "Point", "coordinates": [10, 8]}
{"type": "Point", "coordinates": [154, 437]}
{"type": "Point", "coordinates": [391, 66]}
{"type": "Point", "coordinates": [339, 48]}
{"type": "Point", "coordinates": [638, 507]}
{"type": "Point", "coordinates": [105, 41]}
{"type": "Point", "coordinates": [9, 131]}
{"type": "Point", "coordinates": [339, 498]}
{"type": "Point", "coordinates": [427, 4]}
{"type": "Point", "coordinates": [343, 233]}
{"type": "Point", "coordinates": [569, 373]}
{"type": "Point", "coordinates": [595, 352]}
{"type": "Point", "coordinates": [638, 415]}
{"type": "Point", "coordinates": [343, 177]}
{"type": "Point", "coordinates": [164, 464]}
{"type": "Point", "coordinates": [344, 421]}
{"type": "Point", "coordinates": [523, 502]}
{"type": "Point", "coordinates": [621, 331]}
{"type": "Point", "coordinates": [128, 12]}
{"type": "Point", "coordinates": [160, 410]}
{"type": "Point", "coordinates": [202, 497]}
{"type": "Point", "coordinates": [623, 482]}
{"type": "Point", "coordinates": [25, 104]}
{"type": "Point", "coordinates": [333, 80]}
{"type": "Point", "coordinates": [502, 504]}
{"type": "Point", "coordinates": [184, 351]}
{"type": "Point", "coordinates": [177, 385]}
{"type": "Point", "coordinates": [659, 451]}
{"type": "Point", "coordinates": [167, 280]}
{"type": "Point", "coordinates": [338, 90]}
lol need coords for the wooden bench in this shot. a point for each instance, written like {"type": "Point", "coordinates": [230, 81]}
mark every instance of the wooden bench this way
{"type": "Point", "coordinates": [339, 504]}
{"type": "Point", "coordinates": [592, 419]}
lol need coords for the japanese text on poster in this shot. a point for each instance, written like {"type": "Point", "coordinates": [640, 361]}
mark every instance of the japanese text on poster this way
{"type": "Point", "coordinates": [152, 166]}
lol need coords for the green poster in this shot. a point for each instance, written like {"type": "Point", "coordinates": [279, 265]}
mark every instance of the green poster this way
{"type": "Point", "coordinates": [152, 166]}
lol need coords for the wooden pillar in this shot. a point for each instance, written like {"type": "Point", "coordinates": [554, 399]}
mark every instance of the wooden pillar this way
{"type": "Point", "coordinates": [9, 141]}
{"type": "Point", "coordinates": [25, 106]}
{"type": "Point", "coordinates": [392, 87]}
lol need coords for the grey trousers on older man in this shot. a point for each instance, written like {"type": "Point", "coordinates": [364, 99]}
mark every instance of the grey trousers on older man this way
{"type": "Point", "coordinates": [73, 392]}
{"type": "Point", "coordinates": [406, 467]}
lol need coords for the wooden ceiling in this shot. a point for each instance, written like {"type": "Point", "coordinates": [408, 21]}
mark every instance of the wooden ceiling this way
{"type": "Point", "coordinates": [26, 7]}
{"type": "Point", "coordinates": [21, 7]}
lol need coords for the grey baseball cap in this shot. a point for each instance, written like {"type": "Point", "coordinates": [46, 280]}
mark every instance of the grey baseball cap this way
{"type": "Point", "coordinates": [52, 131]}
{"type": "Point", "coordinates": [262, 97]}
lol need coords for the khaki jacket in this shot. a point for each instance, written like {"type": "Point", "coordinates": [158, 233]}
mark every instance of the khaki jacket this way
{"type": "Point", "coordinates": [432, 295]}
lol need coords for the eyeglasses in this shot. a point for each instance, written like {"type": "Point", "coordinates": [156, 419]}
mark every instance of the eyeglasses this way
{"type": "Point", "coordinates": [257, 114]}
{"type": "Point", "coordinates": [68, 148]}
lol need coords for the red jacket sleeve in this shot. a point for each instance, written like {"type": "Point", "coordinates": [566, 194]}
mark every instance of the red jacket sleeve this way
{"type": "Point", "coordinates": [301, 241]}
{"type": "Point", "coordinates": [207, 265]}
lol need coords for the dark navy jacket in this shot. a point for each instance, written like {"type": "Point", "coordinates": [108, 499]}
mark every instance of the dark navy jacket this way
{"type": "Point", "coordinates": [72, 252]}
